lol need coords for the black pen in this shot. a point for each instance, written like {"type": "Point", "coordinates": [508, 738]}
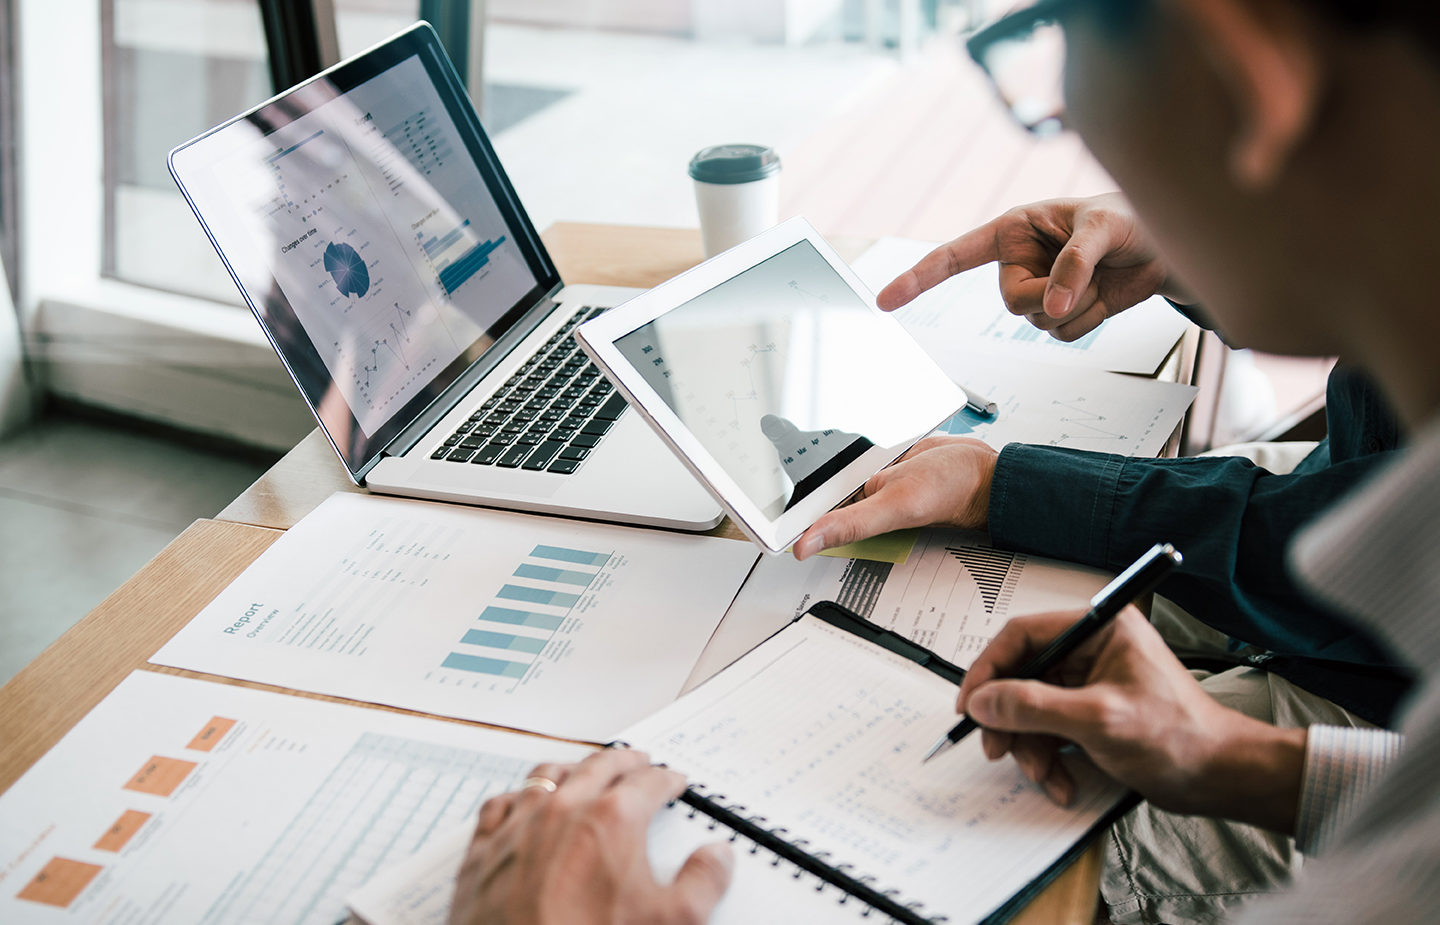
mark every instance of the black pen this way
{"type": "Point", "coordinates": [1140, 578]}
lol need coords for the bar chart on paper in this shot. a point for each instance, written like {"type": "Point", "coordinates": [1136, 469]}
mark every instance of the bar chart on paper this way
{"type": "Point", "coordinates": [953, 595]}
{"type": "Point", "coordinates": [241, 806]}
{"type": "Point", "coordinates": [994, 571]}
{"type": "Point", "coordinates": [505, 618]}
{"type": "Point", "coordinates": [1018, 330]}
{"type": "Point", "coordinates": [527, 612]}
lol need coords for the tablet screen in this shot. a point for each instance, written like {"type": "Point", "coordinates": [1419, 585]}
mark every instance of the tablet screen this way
{"type": "Point", "coordinates": [773, 372]}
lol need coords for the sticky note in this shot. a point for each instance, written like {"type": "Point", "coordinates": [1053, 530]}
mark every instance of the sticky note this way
{"type": "Point", "coordinates": [887, 547]}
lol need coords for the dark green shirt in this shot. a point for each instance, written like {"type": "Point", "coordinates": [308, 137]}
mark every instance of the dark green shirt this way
{"type": "Point", "coordinates": [1233, 521]}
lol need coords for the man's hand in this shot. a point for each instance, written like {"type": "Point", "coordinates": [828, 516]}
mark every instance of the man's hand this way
{"type": "Point", "coordinates": [1135, 710]}
{"type": "Point", "coordinates": [941, 480]}
{"type": "Point", "coordinates": [577, 855]}
{"type": "Point", "coordinates": [1065, 264]}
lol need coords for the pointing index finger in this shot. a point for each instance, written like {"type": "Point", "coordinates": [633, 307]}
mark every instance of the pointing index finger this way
{"type": "Point", "coordinates": [970, 250]}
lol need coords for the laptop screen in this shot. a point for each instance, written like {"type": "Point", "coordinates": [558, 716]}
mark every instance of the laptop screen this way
{"type": "Point", "coordinates": [369, 225]}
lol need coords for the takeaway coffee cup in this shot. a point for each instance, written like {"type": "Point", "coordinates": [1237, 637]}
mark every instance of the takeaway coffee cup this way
{"type": "Point", "coordinates": [737, 189]}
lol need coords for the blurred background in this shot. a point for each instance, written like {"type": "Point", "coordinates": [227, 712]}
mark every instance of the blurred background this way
{"type": "Point", "coordinates": [137, 393]}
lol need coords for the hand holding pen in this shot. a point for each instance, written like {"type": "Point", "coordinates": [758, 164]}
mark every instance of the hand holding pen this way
{"type": "Point", "coordinates": [1127, 703]}
{"type": "Point", "coordinates": [1137, 580]}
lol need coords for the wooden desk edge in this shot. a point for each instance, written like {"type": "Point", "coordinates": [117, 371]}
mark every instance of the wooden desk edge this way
{"type": "Point", "coordinates": [51, 694]}
{"type": "Point", "coordinates": [40, 704]}
{"type": "Point", "coordinates": [1073, 897]}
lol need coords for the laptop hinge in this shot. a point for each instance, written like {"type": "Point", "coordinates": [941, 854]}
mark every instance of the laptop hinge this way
{"type": "Point", "coordinates": [424, 422]}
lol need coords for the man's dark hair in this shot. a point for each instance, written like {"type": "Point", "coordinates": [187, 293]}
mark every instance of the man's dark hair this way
{"type": "Point", "coordinates": [1417, 18]}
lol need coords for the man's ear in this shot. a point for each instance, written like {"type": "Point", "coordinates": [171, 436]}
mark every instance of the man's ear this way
{"type": "Point", "coordinates": [1265, 53]}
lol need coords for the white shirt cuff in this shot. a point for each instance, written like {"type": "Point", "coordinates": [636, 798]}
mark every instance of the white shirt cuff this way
{"type": "Point", "coordinates": [1342, 765]}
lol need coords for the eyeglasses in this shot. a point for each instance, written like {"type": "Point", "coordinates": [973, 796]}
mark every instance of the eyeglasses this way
{"type": "Point", "coordinates": [1023, 54]}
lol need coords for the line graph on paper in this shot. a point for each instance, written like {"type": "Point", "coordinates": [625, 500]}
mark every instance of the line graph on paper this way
{"type": "Point", "coordinates": [1050, 406]}
{"type": "Point", "coordinates": [1078, 422]}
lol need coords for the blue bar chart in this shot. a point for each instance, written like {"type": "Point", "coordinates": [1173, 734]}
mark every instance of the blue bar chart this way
{"type": "Point", "coordinates": [541, 621]}
{"type": "Point", "coordinates": [1029, 334]}
{"type": "Point", "coordinates": [455, 256]}
{"type": "Point", "coordinates": [454, 275]}
{"type": "Point", "coordinates": [512, 632]}
{"type": "Point", "coordinates": [438, 244]}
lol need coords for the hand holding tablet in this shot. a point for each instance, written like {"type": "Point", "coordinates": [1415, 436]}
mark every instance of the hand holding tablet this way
{"type": "Point", "coordinates": [772, 374]}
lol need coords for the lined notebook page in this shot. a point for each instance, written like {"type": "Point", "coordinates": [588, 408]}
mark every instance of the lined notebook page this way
{"type": "Point", "coordinates": [822, 733]}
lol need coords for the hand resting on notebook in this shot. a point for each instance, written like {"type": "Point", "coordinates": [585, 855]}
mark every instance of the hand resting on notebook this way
{"type": "Point", "coordinates": [574, 852]}
{"type": "Point", "coordinates": [1126, 700]}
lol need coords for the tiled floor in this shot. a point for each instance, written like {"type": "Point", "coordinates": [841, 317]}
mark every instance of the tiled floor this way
{"type": "Point", "coordinates": [83, 504]}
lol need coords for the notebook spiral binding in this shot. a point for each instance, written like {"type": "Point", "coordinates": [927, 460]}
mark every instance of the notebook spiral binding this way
{"type": "Point", "coordinates": [818, 863]}
{"type": "Point", "coordinates": [698, 798]}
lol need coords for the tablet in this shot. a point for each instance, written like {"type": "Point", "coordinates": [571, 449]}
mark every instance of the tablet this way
{"type": "Point", "coordinates": [772, 374]}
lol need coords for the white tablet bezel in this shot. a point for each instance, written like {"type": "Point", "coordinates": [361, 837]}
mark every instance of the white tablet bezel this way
{"type": "Point", "coordinates": [598, 338]}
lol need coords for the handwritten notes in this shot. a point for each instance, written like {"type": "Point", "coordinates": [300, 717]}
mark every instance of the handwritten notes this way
{"type": "Point", "coordinates": [822, 733]}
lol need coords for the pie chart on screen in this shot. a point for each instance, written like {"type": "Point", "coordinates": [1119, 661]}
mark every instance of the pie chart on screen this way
{"type": "Point", "coordinates": [344, 264]}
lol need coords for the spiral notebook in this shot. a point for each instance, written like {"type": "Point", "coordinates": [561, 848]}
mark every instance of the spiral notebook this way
{"type": "Point", "coordinates": [805, 754]}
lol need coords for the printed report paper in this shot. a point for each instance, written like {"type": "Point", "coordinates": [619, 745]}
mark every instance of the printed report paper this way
{"type": "Point", "coordinates": [568, 628]}
{"type": "Point", "coordinates": [952, 595]}
{"type": "Point", "coordinates": [1065, 406]}
{"type": "Point", "coordinates": [186, 801]}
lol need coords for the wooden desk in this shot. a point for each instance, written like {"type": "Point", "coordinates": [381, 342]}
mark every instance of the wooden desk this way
{"type": "Point", "coordinates": [40, 704]}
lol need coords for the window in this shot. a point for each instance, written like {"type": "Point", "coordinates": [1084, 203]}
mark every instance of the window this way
{"type": "Point", "coordinates": [171, 69]}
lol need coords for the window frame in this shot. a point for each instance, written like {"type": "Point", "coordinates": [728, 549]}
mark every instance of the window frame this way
{"type": "Point", "coordinates": [182, 360]}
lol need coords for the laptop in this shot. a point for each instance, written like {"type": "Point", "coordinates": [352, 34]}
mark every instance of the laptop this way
{"type": "Point", "coordinates": [371, 229]}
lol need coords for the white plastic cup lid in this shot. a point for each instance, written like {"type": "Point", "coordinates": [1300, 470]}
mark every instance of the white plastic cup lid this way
{"type": "Point", "coordinates": [727, 164]}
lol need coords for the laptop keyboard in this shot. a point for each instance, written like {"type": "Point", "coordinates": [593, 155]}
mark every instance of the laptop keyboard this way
{"type": "Point", "coordinates": [548, 416]}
